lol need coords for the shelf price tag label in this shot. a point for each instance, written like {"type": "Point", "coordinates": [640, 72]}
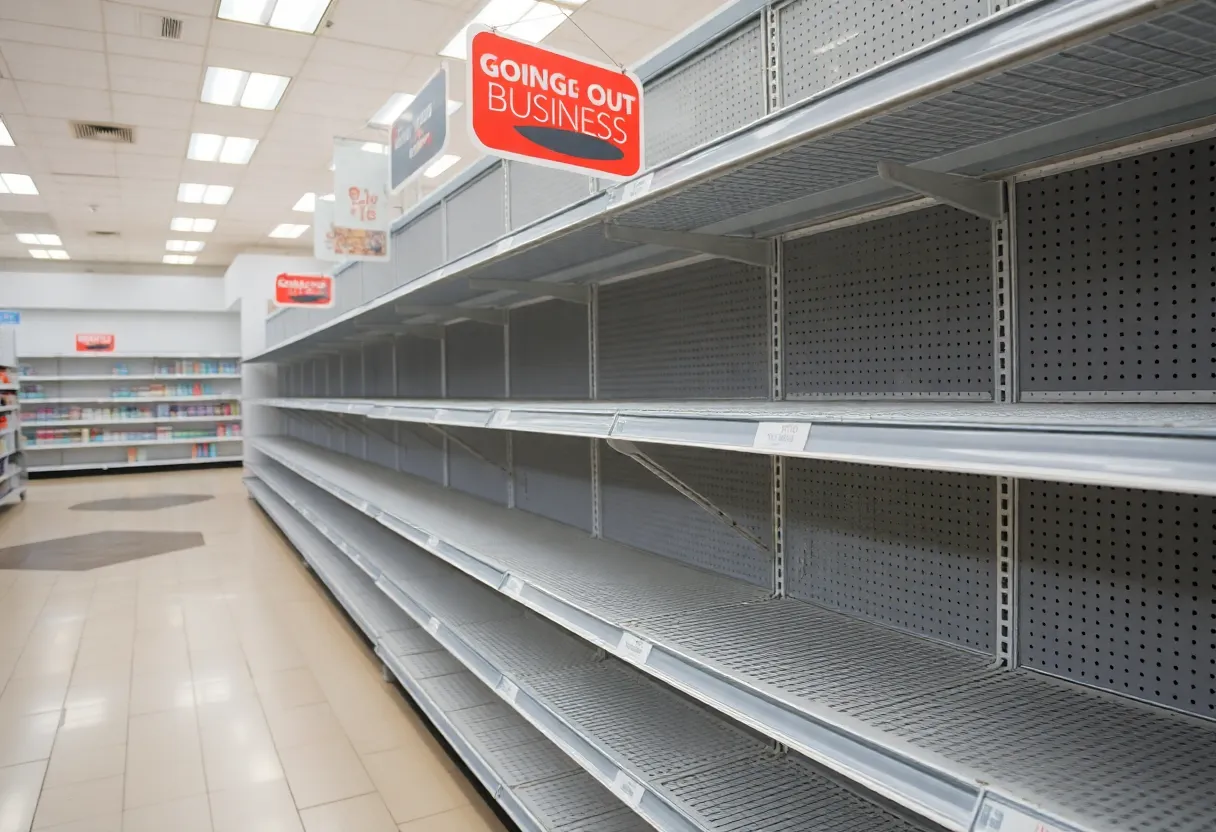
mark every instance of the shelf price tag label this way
{"type": "Point", "coordinates": [432, 541]}
{"type": "Point", "coordinates": [513, 586]}
{"type": "Point", "coordinates": [507, 689]}
{"type": "Point", "coordinates": [998, 817]}
{"type": "Point", "coordinates": [782, 436]}
{"type": "Point", "coordinates": [432, 625]}
{"type": "Point", "coordinates": [634, 189]}
{"type": "Point", "coordinates": [634, 648]}
{"type": "Point", "coordinates": [628, 789]}
{"type": "Point", "coordinates": [505, 244]}
{"type": "Point", "coordinates": [500, 417]}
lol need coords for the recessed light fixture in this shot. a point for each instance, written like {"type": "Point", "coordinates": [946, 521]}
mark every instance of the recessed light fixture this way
{"type": "Point", "coordinates": [530, 20]}
{"type": "Point", "coordinates": [292, 15]}
{"type": "Point", "coordinates": [49, 254]}
{"type": "Point", "coordinates": [238, 88]}
{"type": "Point", "coordinates": [184, 245]}
{"type": "Point", "coordinates": [17, 183]}
{"type": "Point", "coordinates": [206, 194]}
{"type": "Point", "coordinates": [375, 147]}
{"type": "Point", "coordinates": [40, 239]}
{"type": "Point", "coordinates": [6, 138]}
{"type": "Point", "coordinates": [308, 203]}
{"type": "Point", "coordinates": [441, 164]}
{"type": "Point", "coordinates": [231, 150]}
{"type": "Point", "coordinates": [287, 231]}
{"type": "Point", "coordinates": [179, 259]}
{"type": "Point", "coordinates": [199, 225]}
{"type": "Point", "coordinates": [395, 106]}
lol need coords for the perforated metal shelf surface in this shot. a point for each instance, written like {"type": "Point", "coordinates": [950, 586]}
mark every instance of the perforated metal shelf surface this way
{"type": "Point", "coordinates": [509, 755]}
{"type": "Point", "coordinates": [1171, 447]}
{"type": "Point", "coordinates": [790, 669]}
{"type": "Point", "coordinates": [636, 725]}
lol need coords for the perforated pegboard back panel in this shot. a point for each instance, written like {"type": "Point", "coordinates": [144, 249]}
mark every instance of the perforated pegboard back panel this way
{"type": "Point", "coordinates": [642, 511]}
{"type": "Point", "coordinates": [1117, 279]}
{"type": "Point", "coordinates": [476, 214]}
{"type": "Point", "coordinates": [476, 363]}
{"type": "Point", "coordinates": [714, 92]}
{"type": "Point", "coordinates": [378, 368]}
{"type": "Point", "coordinates": [419, 368]}
{"type": "Point", "coordinates": [699, 332]}
{"type": "Point", "coordinates": [824, 42]}
{"type": "Point", "coordinates": [549, 351]}
{"type": "Point", "coordinates": [898, 307]}
{"type": "Point", "coordinates": [419, 248]}
{"type": "Point", "coordinates": [537, 191]}
{"type": "Point", "coordinates": [553, 477]}
{"type": "Point", "coordinates": [1117, 590]}
{"type": "Point", "coordinates": [912, 549]}
{"type": "Point", "coordinates": [352, 373]}
{"type": "Point", "coordinates": [333, 376]}
{"type": "Point", "coordinates": [419, 451]}
{"type": "Point", "coordinates": [482, 477]}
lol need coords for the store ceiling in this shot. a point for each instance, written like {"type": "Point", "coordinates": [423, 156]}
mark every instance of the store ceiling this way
{"type": "Point", "coordinates": [109, 62]}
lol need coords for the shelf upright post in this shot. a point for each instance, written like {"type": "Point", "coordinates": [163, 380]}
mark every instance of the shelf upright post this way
{"type": "Point", "coordinates": [593, 347]}
{"type": "Point", "coordinates": [443, 342]}
{"type": "Point", "coordinates": [363, 388]}
{"type": "Point", "coordinates": [506, 386]}
{"type": "Point", "coordinates": [1004, 371]}
{"type": "Point", "coordinates": [395, 394]}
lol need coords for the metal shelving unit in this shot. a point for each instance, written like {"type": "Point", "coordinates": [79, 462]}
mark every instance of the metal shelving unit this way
{"type": "Point", "coordinates": [13, 474]}
{"type": "Point", "coordinates": [161, 390]}
{"type": "Point", "coordinates": [877, 417]}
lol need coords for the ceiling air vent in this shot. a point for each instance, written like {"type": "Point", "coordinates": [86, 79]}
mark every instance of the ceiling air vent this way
{"type": "Point", "coordinates": [103, 233]}
{"type": "Point", "coordinates": [171, 28]}
{"type": "Point", "coordinates": [113, 133]}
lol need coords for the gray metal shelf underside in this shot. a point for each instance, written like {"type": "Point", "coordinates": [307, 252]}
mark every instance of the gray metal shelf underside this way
{"type": "Point", "coordinates": [539, 786]}
{"type": "Point", "coordinates": [602, 712]}
{"type": "Point", "coordinates": [1168, 447]}
{"type": "Point", "coordinates": [928, 725]}
{"type": "Point", "coordinates": [1039, 81]}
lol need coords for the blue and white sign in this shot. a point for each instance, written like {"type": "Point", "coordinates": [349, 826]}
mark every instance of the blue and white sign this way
{"type": "Point", "coordinates": [9, 317]}
{"type": "Point", "coordinates": [420, 133]}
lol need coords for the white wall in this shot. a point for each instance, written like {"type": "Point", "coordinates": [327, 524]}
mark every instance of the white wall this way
{"type": "Point", "coordinates": [95, 292]}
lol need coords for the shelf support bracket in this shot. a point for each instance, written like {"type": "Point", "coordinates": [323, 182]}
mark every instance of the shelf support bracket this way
{"type": "Point", "coordinates": [453, 439]}
{"type": "Point", "coordinates": [982, 197]}
{"type": "Point", "coordinates": [497, 317]}
{"type": "Point", "coordinates": [534, 288]}
{"type": "Point", "coordinates": [739, 249]}
{"type": "Point", "coordinates": [704, 503]}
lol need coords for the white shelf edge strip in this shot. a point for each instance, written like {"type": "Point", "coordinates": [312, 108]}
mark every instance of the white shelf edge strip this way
{"type": "Point", "coordinates": [152, 420]}
{"type": "Point", "coordinates": [1181, 460]}
{"type": "Point", "coordinates": [934, 793]}
{"type": "Point", "coordinates": [589, 753]}
{"type": "Point", "coordinates": [476, 762]}
{"type": "Point", "coordinates": [29, 401]}
{"type": "Point", "coordinates": [201, 440]}
{"type": "Point", "coordinates": [133, 377]}
{"type": "Point", "coordinates": [143, 463]}
{"type": "Point", "coordinates": [10, 473]}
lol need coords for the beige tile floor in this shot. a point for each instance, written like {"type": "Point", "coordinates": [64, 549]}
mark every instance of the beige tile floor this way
{"type": "Point", "coordinates": [210, 690]}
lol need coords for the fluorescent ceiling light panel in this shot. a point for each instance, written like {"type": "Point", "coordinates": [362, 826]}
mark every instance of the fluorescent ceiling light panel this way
{"type": "Point", "coordinates": [287, 231]}
{"type": "Point", "coordinates": [40, 254]}
{"type": "Point", "coordinates": [437, 167]}
{"type": "Point", "coordinates": [198, 225]}
{"type": "Point", "coordinates": [58, 254]}
{"type": "Point", "coordinates": [49, 254]}
{"type": "Point", "coordinates": [179, 259]}
{"type": "Point", "coordinates": [184, 245]}
{"type": "Point", "coordinates": [238, 88]}
{"type": "Point", "coordinates": [6, 138]}
{"type": "Point", "coordinates": [17, 183]}
{"type": "Point", "coordinates": [396, 105]}
{"type": "Point", "coordinates": [40, 239]}
{"type": "Point", "coordinates": [231, 150]}
{"type": "Point", "coordinates": [206, 194]}
{"type": "Point", "coordinates": [529, 20]}
{"type": "Point", "coordinates": [306, 204]}
{"type": "Point", "coordinates": [292, 15]}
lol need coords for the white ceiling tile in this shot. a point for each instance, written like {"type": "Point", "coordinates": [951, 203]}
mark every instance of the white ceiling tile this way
{"type": "Point", "coordinates": [199, 8]}
{"type": "Point", "coordinates": [54, 65]}
{"type": "Point", "coordinates": [10, 101]}
{"type": "Point", "coordinates": [97, 160]}
{"type": "Point", "coordinates": [161, 50]}
{"type": "Point", "coordinates": [139, 165]}
{"type": "Point", "coordinates": [150, 111]}
{"type": "Point", "coordinates": [381, 62]}
{"type": "Point", "coordinates": [213, 173]}
{"type": "Point", "coordinates": [406, 25]}
{"type": "Point", "coordinates": [253, 61]}
{"type": "Point", "coordinates": [333, 100]}
{"type": "Point", "coordinates": [157, 141]}
{"type": "Point", "coordinates": [55, 101]}
{"type": "Point", "coordinates": [260, 40]}
{"type": "Point", "coordinates": [124, 19]}
{"type": "Point", "coordinates": [52, 36]}
{"type": "Point", "coordinates": [74, 14]}
{"type": "Point", "coordinates": [231, 121]}
{"type": "Point", "coordinates": [189, 77]}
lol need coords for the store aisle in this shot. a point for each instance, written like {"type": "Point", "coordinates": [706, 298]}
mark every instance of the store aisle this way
{"type": "Point", "coordinates": [196, 677]}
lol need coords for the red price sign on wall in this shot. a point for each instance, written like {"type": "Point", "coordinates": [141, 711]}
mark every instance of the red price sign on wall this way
{"type": "Point", "coordinates": [544, 107]}
{"type": "Point", "coordinates": [94, 342]}
{"type": "Point", "coordinates": [303, 290]}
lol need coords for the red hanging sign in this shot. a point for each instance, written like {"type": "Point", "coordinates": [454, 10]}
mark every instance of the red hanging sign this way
{"type": "Point", "coordinates": [536, 105]}
{"type": "Point", "coordinates": [94, 342]}
{"type": "Point", "coordinates": [303, 290]}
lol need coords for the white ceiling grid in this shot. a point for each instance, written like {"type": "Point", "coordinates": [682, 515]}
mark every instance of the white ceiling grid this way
{"type": "Point", "coordinates": [105, 61]}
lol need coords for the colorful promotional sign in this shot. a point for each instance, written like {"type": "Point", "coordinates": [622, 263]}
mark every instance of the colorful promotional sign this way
{"type": "Point", "coordinates": [530, 103]}
{"type": "Point", "coordinates": [420, 133]}
{"type": "Point", "coordinates": [303, 290]}
{"type": "Point", "coordinates": [361, 211]}
{"type": "Point", "coordinates": [94, 342]}
{"type": "Point", "coordinates": [323, 231]}
{"type": "Point", "coordinates": [9, 317]}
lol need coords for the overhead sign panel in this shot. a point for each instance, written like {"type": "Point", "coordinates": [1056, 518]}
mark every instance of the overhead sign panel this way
{"type": "Point", "coordinates": [303, 290]}
{"type": "Point", "coordinates": [420, 133]}
{"type": "Point", "coordinates": [94, 342]}
{"type": "Point", "coordinates": [361, 212]}
{"type": "Point", "coordinates": [536, 105]}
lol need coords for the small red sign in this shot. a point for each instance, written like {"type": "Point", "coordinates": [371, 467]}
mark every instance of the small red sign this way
{"type": "Point", "coordinates": [536, 105]}
{"type": "Point", "coordinates": [94, 342]}
{"type": "Point", "coordinates": [303, 290]}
